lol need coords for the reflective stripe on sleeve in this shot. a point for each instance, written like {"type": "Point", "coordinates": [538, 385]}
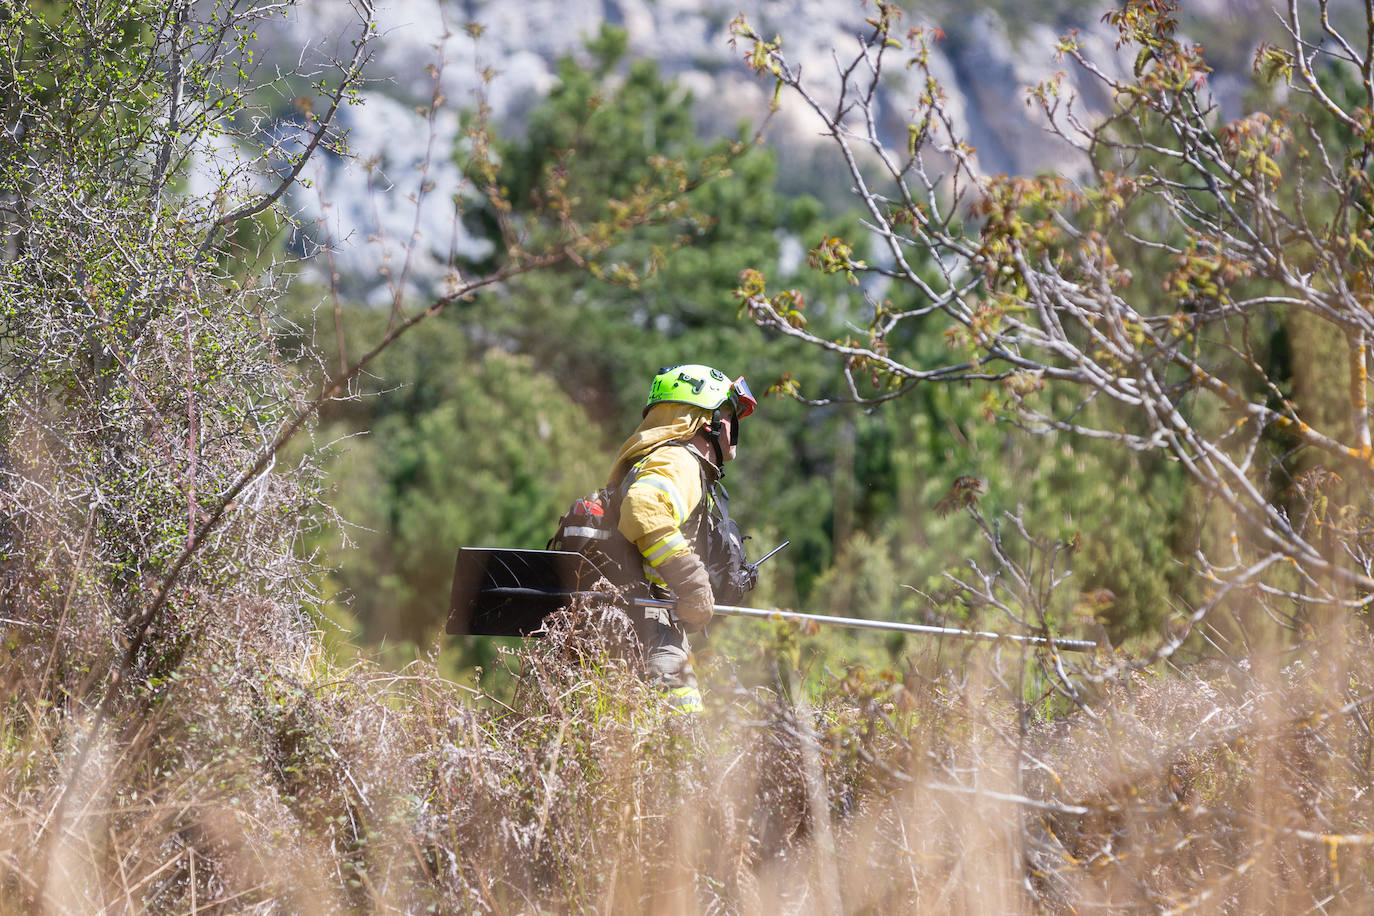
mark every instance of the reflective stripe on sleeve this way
{"type": "Point", "coordinates": [665, 486]}
{"type": "Point", "coordinates": [665, 547]}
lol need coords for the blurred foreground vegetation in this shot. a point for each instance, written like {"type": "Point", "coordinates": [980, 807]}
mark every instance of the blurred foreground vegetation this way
{"type": "Point", "coordinates": [256, 788]}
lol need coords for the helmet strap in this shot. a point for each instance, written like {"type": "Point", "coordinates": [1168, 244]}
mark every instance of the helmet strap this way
{"type": "Point", "coordinates": [712, 431]}
{"type": "Point", "coordinates": [718, 423]}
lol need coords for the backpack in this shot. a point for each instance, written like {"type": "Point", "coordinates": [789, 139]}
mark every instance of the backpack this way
{"type": "Point", "coordinates": [727, 566]}
{"type": "Point", "coordinates": [591, 527]}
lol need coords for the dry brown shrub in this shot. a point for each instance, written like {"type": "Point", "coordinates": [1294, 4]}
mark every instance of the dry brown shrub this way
{"type": "Point", "coordinates": [249, 783]}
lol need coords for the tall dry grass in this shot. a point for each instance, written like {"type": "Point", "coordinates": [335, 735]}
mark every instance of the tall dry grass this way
{"type": "Point", "coordinates": [251, 783]}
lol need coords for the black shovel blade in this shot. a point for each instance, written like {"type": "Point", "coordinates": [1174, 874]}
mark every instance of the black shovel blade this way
{"type": "Point", "coordinates": [506, 592]}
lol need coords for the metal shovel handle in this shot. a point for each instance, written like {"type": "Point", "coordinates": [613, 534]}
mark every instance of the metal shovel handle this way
{"type": "Point", "coordinates": [730, 610]}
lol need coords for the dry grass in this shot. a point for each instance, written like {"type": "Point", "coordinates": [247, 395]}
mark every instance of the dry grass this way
{"type": "Point", "coordinates": [244, 784]}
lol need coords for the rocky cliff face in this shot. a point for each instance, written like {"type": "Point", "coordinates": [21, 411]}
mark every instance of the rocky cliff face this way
{"type": "Point", "coordinates": [984, 63]}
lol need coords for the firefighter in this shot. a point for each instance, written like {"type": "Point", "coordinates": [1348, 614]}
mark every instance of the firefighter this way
{"type": "Point", "coordinates": [674, 510]}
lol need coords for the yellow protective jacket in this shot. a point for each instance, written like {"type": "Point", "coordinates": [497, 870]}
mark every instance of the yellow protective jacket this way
{"type": "Point", "coordinates": [667, 484]}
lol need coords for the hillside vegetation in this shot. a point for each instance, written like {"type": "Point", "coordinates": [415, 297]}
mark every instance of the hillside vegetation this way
{"type": "Point", "coordinates": [1128, 402]}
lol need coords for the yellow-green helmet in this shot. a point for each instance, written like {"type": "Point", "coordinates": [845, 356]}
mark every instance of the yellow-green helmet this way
{"type": "Point", "coordinates": [700, 386]}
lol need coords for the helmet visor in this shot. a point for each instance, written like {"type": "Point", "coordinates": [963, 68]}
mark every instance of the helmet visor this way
{"type": "Point", "coordinates": [741, 398]}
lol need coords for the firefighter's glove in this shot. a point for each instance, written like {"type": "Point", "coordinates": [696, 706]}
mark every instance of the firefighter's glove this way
{"type": "Point", "coordinates": [686, 576]}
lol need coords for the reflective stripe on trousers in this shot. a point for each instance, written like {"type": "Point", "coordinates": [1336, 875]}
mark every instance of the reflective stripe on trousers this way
{"type": "Point", "coordinates": [685, 699]}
